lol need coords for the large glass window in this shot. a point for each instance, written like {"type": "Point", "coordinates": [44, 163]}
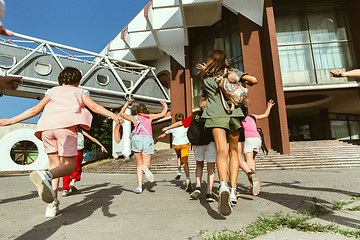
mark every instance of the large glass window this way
{"type": "Point", "coordinates": [222, 35]}
{"type": "Point", "coordinates": [344, 126]}
{"type": "Point", "coordinates": [313, 38]}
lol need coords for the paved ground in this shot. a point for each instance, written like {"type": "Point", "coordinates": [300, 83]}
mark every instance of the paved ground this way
{"type": "Point", "coordinates": [107, 208]}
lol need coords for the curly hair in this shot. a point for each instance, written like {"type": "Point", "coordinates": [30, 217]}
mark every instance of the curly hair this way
{"type": "Point", "coordinates": [179, 117]}
{"type": "Point", "coordinates": [69, 76]}
{"type": "Point", "coordinates": [141, 108]}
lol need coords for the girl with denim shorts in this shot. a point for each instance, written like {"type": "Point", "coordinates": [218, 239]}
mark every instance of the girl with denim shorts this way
{"type": "Point", "coordinates": [222, 122]}
{"type": "Point", "coordinates": [142, 142]}
{"type": "Point", "coordinates": [63, 109]}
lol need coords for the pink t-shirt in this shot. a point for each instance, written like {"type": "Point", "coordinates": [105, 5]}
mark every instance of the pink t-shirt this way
{"type": "Point", "coordinates": [250, 128]}
{"type": "Point", "coordinates": [65, 109]}
{"type": "Point", "coordinates": [145, 122]}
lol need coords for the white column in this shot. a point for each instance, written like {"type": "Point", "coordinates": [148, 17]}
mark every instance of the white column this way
{"type": "Point", "coordinates": [124, 147]}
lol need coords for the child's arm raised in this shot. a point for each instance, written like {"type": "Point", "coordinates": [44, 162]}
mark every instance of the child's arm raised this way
{"type": "Point", "coordinates": [103, 149]}
{"type": "Point", "coordinates": [270, 104]}
{"type": "Point", "coordinates": [249, 80]}
{"type": "Point", "coordinates": [100, 109]}
{"type": "Point", "coordinates": [174, 125]}
{"type": "Point", "coordinates": [31, 112]}
{"type": "Point", "coordinates": [126, 116]}
{"type": "Point", "coordinates": [159, 115]}
{"type": "Point", "coordinates": [117, 135]}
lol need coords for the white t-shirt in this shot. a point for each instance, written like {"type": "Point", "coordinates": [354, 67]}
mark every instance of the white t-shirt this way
{"type": "Point", "coordinates": [80, 142]}
{"type": "Point", "coordinates": [180, 135]}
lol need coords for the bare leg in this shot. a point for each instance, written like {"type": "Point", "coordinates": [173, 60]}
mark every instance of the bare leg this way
{"type": "Point", "coordinates": [186, 170]}
{"type": "Point", "coordinates": [139, 171]}
{"type": "Point", "coordinates": [211, 177]}
{"type": "Point", "coordinates": [179, 164]}
{"type": "Point", "coordinates": [234, 158]}
{"type": "Point", "coordinates": [222, 155]}
{"type": "Point", "coordinates": [243, 165]}
{"type": "Point", "coordinates": [198, 172]}
{"type": "Point", "coordinates": [250, 160]}
{"type": "Point", "coordinates": [60, 167]}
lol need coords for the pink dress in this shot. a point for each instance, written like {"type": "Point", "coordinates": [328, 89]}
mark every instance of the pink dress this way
{"type": "Point", "coordinates": [65, 109]}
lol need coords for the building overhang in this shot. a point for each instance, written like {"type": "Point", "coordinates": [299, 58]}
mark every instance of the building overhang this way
{"type": "Point", "coordinates": [161, 27]}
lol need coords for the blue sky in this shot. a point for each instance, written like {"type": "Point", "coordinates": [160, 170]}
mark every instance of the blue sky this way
{"type": "Point", "coordinates": [84, 24]}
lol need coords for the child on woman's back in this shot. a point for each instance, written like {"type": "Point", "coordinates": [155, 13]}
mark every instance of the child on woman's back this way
{"type": "Point", "coordinates": [63, 109]}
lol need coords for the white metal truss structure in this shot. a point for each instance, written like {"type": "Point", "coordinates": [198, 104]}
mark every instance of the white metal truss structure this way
{"type": "Point", "coordinates": [109, 80]}
{"type": "Point", "coordinates": [161, 27]}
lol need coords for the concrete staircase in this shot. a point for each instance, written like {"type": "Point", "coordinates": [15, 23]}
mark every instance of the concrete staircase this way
{"type": "Point", "coordinates": [306, 154]}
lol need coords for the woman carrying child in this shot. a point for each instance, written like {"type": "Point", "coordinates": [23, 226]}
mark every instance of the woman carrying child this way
{"type": "Point", "coordinates": [63, 109]}
{"type": "Point", "coordinates": [222, 123]}
{"type": "Point", "coordinates": [142, 142]}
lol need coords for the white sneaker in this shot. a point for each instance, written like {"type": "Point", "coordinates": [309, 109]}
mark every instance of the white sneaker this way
{"type": "Point", "coordinates": [65, 193]}
{"type": "Point", "coordinates": [42, 181]}
{"type": "Point", "coordinates": [224, 206]}
{"type": "Point", "coordinates": [138, 190]}
{"type": "Point", "coordinates": [73, 186]}
{"type": "Point", "coordinates": [148, 174]}
{"type": "Point", "coordinates": [52, 209]}
{"type": "Point", "coordinates": [233, 196]}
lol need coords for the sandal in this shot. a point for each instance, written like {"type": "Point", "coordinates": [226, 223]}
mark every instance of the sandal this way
{"type": "Point", "coordinates": [254, 181]}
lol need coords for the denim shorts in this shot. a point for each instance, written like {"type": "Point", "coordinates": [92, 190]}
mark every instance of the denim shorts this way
{"type": "Point", "coordinates": [142, 143]}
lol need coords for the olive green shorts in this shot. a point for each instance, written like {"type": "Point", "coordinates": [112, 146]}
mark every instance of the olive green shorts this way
{"type": "Point", "coordinates": [229, 123]}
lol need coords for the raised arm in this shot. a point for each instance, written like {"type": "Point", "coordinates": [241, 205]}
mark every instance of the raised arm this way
{"type": "Point", "coordinates": [250, 80]}
{"type": "Point", "coordinates": [174, 125]}
{"type": "Point", "coordinates": [103, 149]}
{"type": "Point", "coordinates": [270, 104]}
{"type": "Point", "coordinates": [100, 109]}
{"type": "Point", "coordinates": [126, 116]}
{"type": "Point", "coordinates": [117, 135]}
{"type": "Point", "coordinates": [338, 73]}
{"type": "Point", "coordinates": [31, 112]}
{"type": "Point", "coordinates": [159, 115]}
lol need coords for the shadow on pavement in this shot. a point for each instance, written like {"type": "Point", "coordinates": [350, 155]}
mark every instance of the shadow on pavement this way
{"type": "Point", "coordinates": [77, 212]}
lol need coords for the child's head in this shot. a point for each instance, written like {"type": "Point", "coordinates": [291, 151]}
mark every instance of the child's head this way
{"type": "Point", "coordinates": [69, 76]}
{"type": "Point", "coordinates": [179, 117]}
{"type": "Point", "coordinates": [141, 109]}
{"type": "Point", "coordinates": [202, 104]}
{"type": "Point", "coordinates": [216, 63]}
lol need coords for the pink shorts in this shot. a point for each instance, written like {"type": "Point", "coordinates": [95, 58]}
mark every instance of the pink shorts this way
{"type": "Point", "coordinates": [63, 141]}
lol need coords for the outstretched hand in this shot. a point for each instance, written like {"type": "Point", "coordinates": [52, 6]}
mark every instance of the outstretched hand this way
{"type": "Point", "coordinates": [337, 73]}
{"type": "Point", "coordinates": [163, 103]}
{"type": "Point", "coordinates": [9, 82]}
{"type": "Point", "coordinates": [104, 150]}
{"type": "Point", "coordinates": [271, 103]}
{"type": "Point", "coordinates": [200, 66]}
{"type": "Point", "coordinates": [5, 122]}
{"type": "Point", "coordinates": [5, 32]}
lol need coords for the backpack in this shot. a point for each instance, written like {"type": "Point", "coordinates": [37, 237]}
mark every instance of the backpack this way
{"type": "Point", "coordinates": [231, 91]}
{"type": "Point", "coordinates": [263, 146]}
{"type": "Point", "coordinates": [197, 133]}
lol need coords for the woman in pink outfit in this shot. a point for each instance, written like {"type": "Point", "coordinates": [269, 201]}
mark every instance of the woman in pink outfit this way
{"type": "Point", "coordinates": [142, 142]}
{"type": "Point", "coordinates": [63, 109]}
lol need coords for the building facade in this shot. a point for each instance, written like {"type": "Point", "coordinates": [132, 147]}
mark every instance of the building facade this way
{"type": "Point", "coordinates": [289, 45]}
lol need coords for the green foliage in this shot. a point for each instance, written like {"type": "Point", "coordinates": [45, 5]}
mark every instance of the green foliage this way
{"type": "Point", "coordinates": [101, 129]}
{"type": "Point", "coordinates": [338, 205]}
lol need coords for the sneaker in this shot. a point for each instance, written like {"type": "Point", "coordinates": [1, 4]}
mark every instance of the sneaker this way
{"type": "Point", "coordinates": [188, 185]}
{"type": "Point", "coordinates": [224, 206]}
{"type": "Point", "coordinates": [255, 184]}
{"type": "Point", "coordinates": [52, 209]}
{"type": "Point", "coordinates": [195, 194]}
{"type": "Point", "coordinates": [178, 175]}
{"type": "Point", "coordinates": [73, 186]}
{"type": "Point", "coordinates": [210, 198]}
{"type": "Point", "coordinates": [42, 181]}
{"type": "Point", "coordinates": [233, 196]}
{"type": "Point", "coordinates": [138, 190]}
{"type": "Point", "coordinates": [148, 174]}
{"type": "Point", "coordinates": [65, 193]}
